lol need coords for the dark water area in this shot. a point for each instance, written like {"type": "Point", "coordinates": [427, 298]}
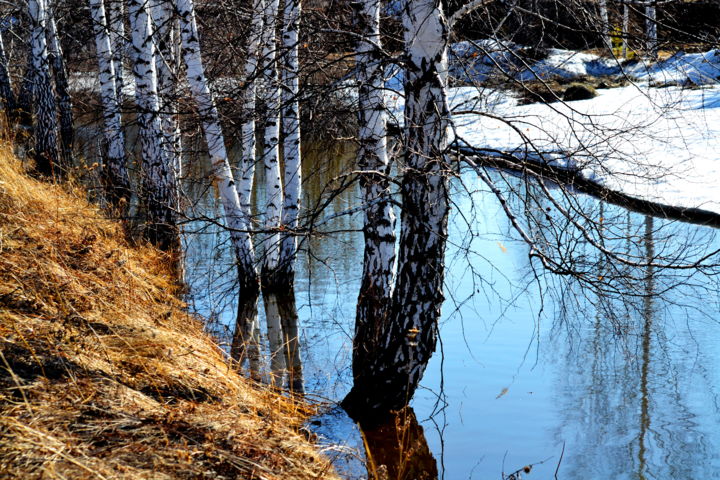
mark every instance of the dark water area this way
{"type": "Point", "coordinates": [530, 369]}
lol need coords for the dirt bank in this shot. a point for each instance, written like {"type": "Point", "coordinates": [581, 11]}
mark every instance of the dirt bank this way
{"type": "Point", "coordinates": [102, 373]}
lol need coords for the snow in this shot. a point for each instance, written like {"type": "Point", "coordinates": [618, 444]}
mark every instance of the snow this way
{"type": "Point", "coordinates": [655, 144]}
{"type": "Point", "coordinates": [568, 64]}
{"type": "Point", "coordinates": [685, 69]}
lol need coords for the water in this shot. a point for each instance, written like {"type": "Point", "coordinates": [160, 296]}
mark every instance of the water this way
{"type": "Point", "coordinates": [530, 369]}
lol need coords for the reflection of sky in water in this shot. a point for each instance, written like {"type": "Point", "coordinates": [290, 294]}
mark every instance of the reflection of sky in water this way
{"type": "Point", "coordinates": [522, 370]}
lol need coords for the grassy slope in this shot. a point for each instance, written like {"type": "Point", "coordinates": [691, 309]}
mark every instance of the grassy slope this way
{"type": "Point", "coordinates": [103, 375]}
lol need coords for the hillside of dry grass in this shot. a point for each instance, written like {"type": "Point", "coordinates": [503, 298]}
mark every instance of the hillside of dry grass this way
{"type": "Point", "coordinates": [102, 373]}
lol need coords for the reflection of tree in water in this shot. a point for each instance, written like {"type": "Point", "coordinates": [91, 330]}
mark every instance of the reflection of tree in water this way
{"type": "Point", "coordinates": [212, 276]}
{"type": "Point", "coordinates": [627, 411]}
{"type": "Point", "coordinates": [398, 450]}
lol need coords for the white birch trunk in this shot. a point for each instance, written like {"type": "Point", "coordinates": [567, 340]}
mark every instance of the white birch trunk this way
{"type": "Point", "coordinates": [165, 38]}
{"type": "Point", "coordinates": [379, 227]}
{"type": "Point", "coordinates": [291, 139]}
{"type": "Point", "coordinates": [604, 18]}
{"type": "Point", "coordinates": [651, 29]}
{"type": "Point", "coordinates": [247, 162]}
{"type": "Point", "coordinates": [62, 89]}
{"type": "Point", "coordinates": [46, 127]}
{"type": "Point", "coordinates": [292, 183]}
{"type": "Point", "coordinates": [236, 219]}
{"type": "Point", "coordinates": [158, 193]}
{"type": "Point", "coordinates": [270, 94]}
{"type": "Point", "coordinates": [391, 377]}
{"type": "Point", "coordinates": [7, 97]}
{"type": "Point", "coordinates": [625, 29]}
{"type": "Point", "coordinates": [118, 43]}
{"type": "Point", "coordinates": [271, 137]}
{"type": "Point", "coordinates": [116, 180]}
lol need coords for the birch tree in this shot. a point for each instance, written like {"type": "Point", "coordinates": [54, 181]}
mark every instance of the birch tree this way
{"type": "Point", "coordinates": [290, 88]}
{"type": "Point", "coordinates": [115, 174]}
{"type": "Point", "coordinates": [270, 96]}
{"type": "Point", "coordinates": [237, 221]}
{"type": "Point", "coordinates": [116, 26]}
{"type": "Point", "coordinates": [164, 36]}
{"type": "Point", "coordinates": [292, 191]}
{"type": "Point", "coordinates": [625, 28]}
{"type": "Point", "coordinates": [158, 192]}
{"type": "Point", "coordinates": [247, 162]}
{"type": "Point", "coordinates": [605, 20]}
{"type": "Point", "coordinates": [408, 339]}
{"type": "Point", "coordinates": [651, 29]}
{"type": "Point", "coordinates": [379, 226]}
{"type": "Point", "coordinates": [62, 88]}
{"type": "Point", "coordinates": [47, 160]}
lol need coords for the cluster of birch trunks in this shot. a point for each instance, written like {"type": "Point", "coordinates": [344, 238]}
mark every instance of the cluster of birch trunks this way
{"type": "Point", "coordinates": [401, 293]}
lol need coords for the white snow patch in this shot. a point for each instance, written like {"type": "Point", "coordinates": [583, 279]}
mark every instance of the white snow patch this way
{"type": "Point", "coordinates": [685, 69]}
{"type": "Point", "coordinates": [657, 144]}
{"type": "Point", "coordinates": [568, 64]}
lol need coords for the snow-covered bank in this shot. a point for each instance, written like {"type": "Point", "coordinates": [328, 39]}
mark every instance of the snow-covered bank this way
{"type": "Point", "coordinates": [655, 144]}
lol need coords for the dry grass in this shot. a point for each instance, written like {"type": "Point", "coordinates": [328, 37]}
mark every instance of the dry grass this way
{"type": "Point", "coordinates": [102, 373]}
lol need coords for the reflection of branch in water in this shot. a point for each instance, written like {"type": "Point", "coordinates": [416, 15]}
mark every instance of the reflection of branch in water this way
{"type": "Point", "coordinates": [398, 450]}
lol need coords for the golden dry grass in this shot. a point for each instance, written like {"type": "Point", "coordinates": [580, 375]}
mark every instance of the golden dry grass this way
{"type": "Point", "coordinates": [102, 373]}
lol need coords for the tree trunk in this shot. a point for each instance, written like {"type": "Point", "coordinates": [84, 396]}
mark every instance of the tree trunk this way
{"type": "Point", "coordinates": [291, 141]}
{"type": "Point", "coordinates": [394, 371]}
{"type": "Point", "coordinates": [651, 30]}
{"type": "Point", "coordinates": [165, 38]}
{"type": "Point", "coordinates": [270, 91]}
{"type": "Point", "coordinates": [158, 192]}
{"type": "Point", "coordinates": [7, 97]}
{"type": "Point", "coordinates": [62, 89]}
{"type": "Point", "coordinates": [605, 27]}
{"type": "Point", "coordinates": [246, 341]}
{"type": "Point", "coordinates": [47, 161]}
{"type": "Point", "coordinates": [247, 162]}
{"type": "Point", "coordinates": [625, 29]}
{"type": "Point", "coordinates": [237, 221]}
{"type": "Point", "coordinates": [117, 42]}
{"type": "Point", "coordinates": [271, 162]}
{"type": "Point", "coordinates": [115, 174]}
{"type": "Point", "coordinates": [379, 228]}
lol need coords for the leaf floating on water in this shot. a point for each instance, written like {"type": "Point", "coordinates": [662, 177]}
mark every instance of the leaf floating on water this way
{"type": "Point", "coordinates": [502, 392]}
{"type": "Point", "coordinates": [502, 247]}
